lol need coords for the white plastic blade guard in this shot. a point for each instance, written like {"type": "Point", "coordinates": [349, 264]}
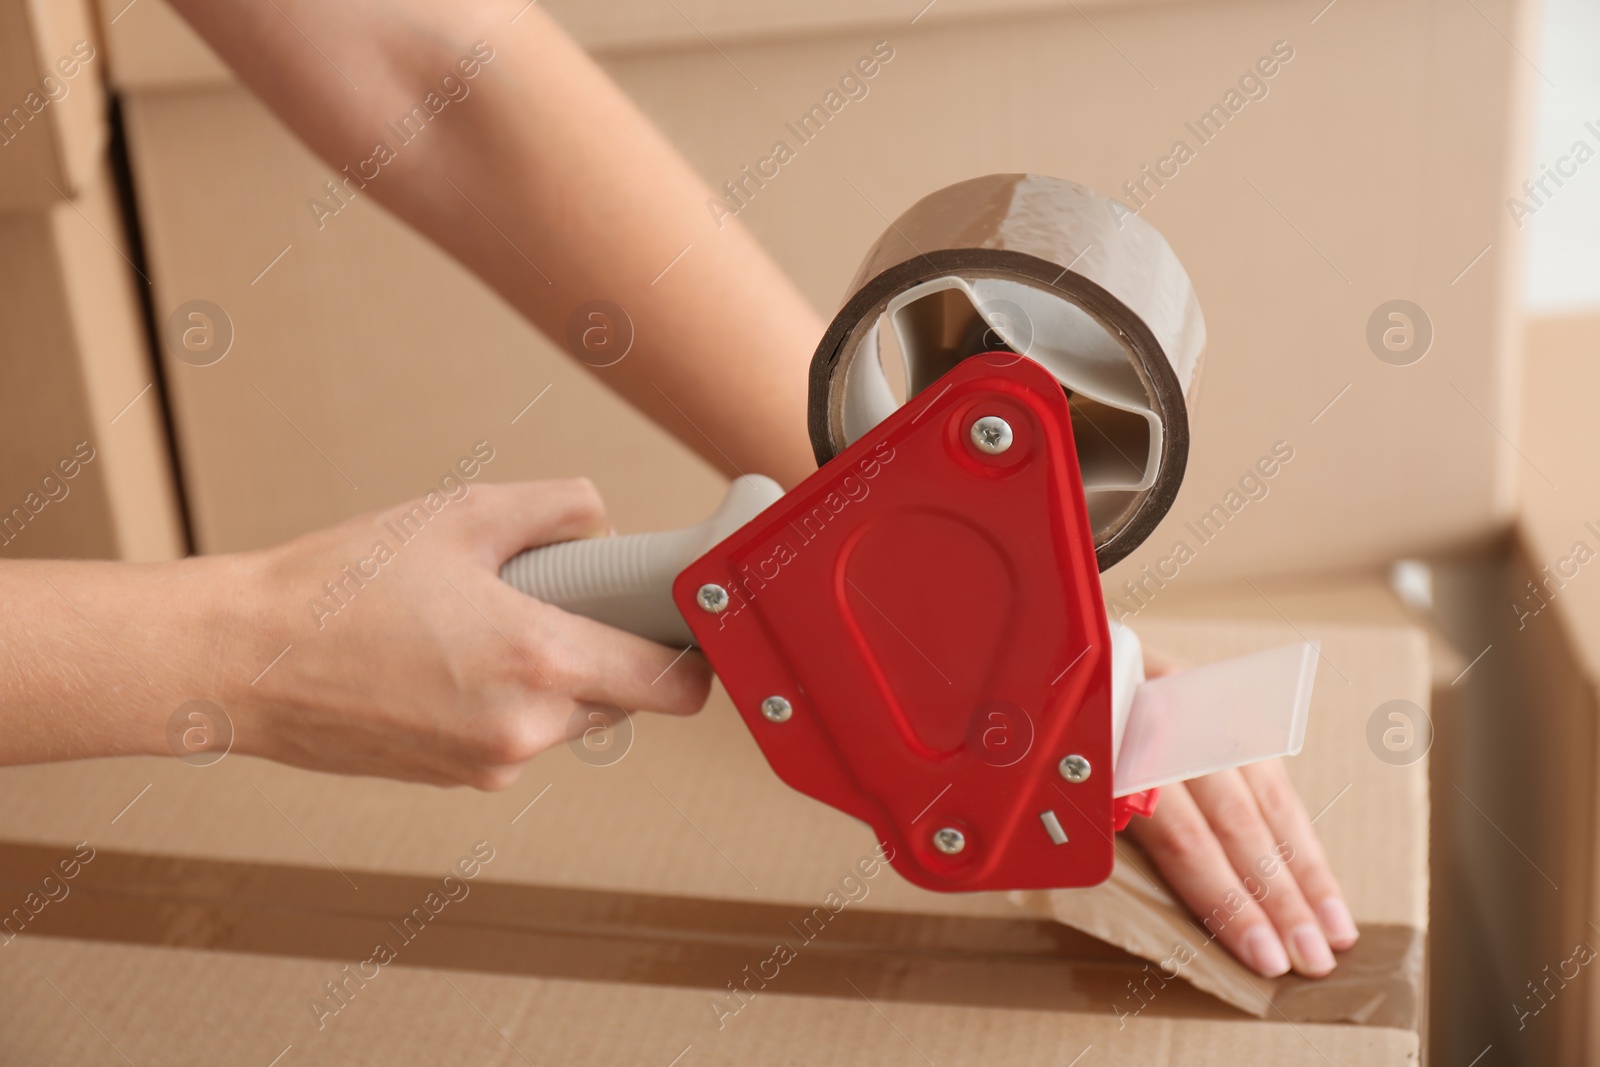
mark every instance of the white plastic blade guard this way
{"type": "Point", "coordinates": [1220, 715]}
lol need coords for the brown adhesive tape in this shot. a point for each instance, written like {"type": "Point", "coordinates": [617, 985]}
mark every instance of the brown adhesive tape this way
{"type": "Point", "coordinates": [1030, 962]}
{"type": "Point", "coordinates": [1113, 306]}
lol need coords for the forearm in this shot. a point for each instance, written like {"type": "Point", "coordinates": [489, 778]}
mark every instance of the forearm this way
{"type": "Point", "coordinates": [550, 185]}
{"type": "Point", "coordinates": [96, 657]}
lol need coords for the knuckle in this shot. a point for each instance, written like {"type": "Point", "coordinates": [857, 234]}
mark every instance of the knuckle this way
{"type": "Point", "coordinates": [1235, 819]}
{"type": "Point", "coordinates": [684, 688]}
{"type": "Point", "coordinates": [546, 665]}
{"type": "Point", "coordinates": [1185, 839]}
{"type": "Point", "coordinates": [1274, 793]}
{"type": "Point", "coordinates": [1315, 880]}
{"type": "Point", "coordinates": [493, 779]}
{"type": "Point", "coordinates": [529, 655]}
{"type": "Point", "coordinates": [582, 498]}
{"type": "Point", "coordinates": [481, 499]}
{"type": "Point", "coordinates": [501, 741]}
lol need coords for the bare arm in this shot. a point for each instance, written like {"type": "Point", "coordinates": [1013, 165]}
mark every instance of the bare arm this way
{"type": "Point", "coordinates": [547, 182]}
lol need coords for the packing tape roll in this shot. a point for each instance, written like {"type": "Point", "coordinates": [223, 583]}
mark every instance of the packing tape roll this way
{"type": "Point", "coordinates": [1056, 272]}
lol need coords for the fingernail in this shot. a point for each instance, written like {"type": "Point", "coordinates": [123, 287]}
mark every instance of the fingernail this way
{"type": "Point", "coordinates": [1337, 923]}
{"type": "Point", "coordinates": [1264, 952]}
{"type": "Point", "coordinates": [1310, 951]}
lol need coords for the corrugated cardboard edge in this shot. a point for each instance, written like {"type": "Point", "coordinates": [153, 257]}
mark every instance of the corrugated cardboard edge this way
{"type": "Point", "coordinates": [1379, 982]}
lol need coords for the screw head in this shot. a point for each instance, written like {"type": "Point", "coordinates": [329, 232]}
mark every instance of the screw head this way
{"type": "Point", "coordinates": [776, 709]}
{"type": "Point", "coordinates": [991, 434]}
{"type": "Point", "coordinates": [712, 598]}
{"type": "Point", "coordinates": [949, 840]}
{"type": "Point", "coordinates": [1074, 768]}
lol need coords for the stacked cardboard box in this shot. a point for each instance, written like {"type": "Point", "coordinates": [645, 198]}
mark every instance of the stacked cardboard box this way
{"type": "Point", "coordinates": [86, 468]}
{"type": "Point", "coordinates": [671, 893]}
{"type": "Point", "coordinates": [1297, 223]}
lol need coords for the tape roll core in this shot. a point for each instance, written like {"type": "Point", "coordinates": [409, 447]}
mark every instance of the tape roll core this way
{"type": "Point", "coordinates": [1114, 316]}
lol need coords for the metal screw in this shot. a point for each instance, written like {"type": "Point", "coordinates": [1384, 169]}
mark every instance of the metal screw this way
{"type": "Point", "coordinates": [1074, 768]}
{"type": "Point", "coordinates": [776, 709]}
{"type": "Point", "coordinates": [949, 840]}
{"type": "Point", "coordinates": [712, 598]}
{"type": "Point", "coordinates": [991, 434]}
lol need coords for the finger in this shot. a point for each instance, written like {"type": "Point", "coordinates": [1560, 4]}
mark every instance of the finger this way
{"type": "Point", "coordinates": [1286, 815]}
{"type": "Point", "coordinates": [1181, 844]}
{"type": "Point", "coordinates": [1235, 817]}
{"type": "Point", "coordinates": [591, 661]}
{"type": "Point", "coordinates": [506, 519]}
{"type": "Point", "coordinates": [630, 672]}
{"type": "Point", "coordinates": [494, 778]}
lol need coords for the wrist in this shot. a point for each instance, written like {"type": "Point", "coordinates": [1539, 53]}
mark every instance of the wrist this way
{"type": "Point", "coordinates": [239, 635]}
{"type": "Point", "coordinates": [197, 631]}
{"type": "Point", "coordinates": [207, 640]}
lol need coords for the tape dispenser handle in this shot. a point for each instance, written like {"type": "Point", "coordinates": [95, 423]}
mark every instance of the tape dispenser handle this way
{"type": "Point", "coordinates": [626, 581]}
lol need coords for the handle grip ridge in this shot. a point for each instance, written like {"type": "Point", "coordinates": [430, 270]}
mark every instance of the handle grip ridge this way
{"type": "Point", "coordinates": [626, 581]}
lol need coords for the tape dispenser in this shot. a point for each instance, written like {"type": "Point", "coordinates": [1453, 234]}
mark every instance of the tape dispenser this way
{"type": "Point", "coordinates": [915, 634]}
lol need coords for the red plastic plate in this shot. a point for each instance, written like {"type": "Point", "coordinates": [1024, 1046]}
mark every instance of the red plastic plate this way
{"type": "Point", "coordinates": [927, 619]}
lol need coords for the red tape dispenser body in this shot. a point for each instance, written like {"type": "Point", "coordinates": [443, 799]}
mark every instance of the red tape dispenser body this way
{"type": "Point", "coordinates": [915, 635]}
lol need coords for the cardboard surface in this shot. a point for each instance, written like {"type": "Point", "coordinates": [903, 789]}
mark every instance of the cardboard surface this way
{"type": "Point", "coordinates": [1539, 769]}
{"type": "Point", "coordinates": [52, 101]}
{"type": "Point", "coordinates": [1561, 487]}
{"type": "Point", "coordinates": [691, 813]}
{"type": "Point", "coordinates": [81, 384]}
{"type": "Point", "coordinates": [188, 1007]}
{"type": "Point", "coordinates": [1515, 817]}
{"type": "Point", "coordinates": [1361, 596]}
{"type": "Point", "coordinates": [1291, 228]}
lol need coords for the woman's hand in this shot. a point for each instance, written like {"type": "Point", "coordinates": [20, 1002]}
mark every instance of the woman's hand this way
{"type": "Point", "coordinates": [1239, 850]}
{"type": "Point", "coordinates": [410, 658]}
{"type": "Point", "coordinates": [387, 645]}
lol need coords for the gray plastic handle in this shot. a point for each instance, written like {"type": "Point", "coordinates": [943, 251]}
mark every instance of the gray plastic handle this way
{"type": "Point", "coordinates": [626, 581]}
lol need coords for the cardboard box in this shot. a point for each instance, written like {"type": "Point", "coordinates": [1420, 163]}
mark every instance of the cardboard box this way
{"type": "Point", "coordinates": [1531, 867]}
{"type": "Point", "coordinates": [87, 471]}
{"type": "Point", "coordinates": [1296, 224]}
{"type": "Point", "coordinates": [1560, 506]}
{"type": "Point", "coordinates": [640, 889]}
{"type": "Point", "coordinates": [1463, 989]}
{"type": "Point", "coordinates": [1514, 641]}
{"type": "Point", "coordinates": [52, 101]}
